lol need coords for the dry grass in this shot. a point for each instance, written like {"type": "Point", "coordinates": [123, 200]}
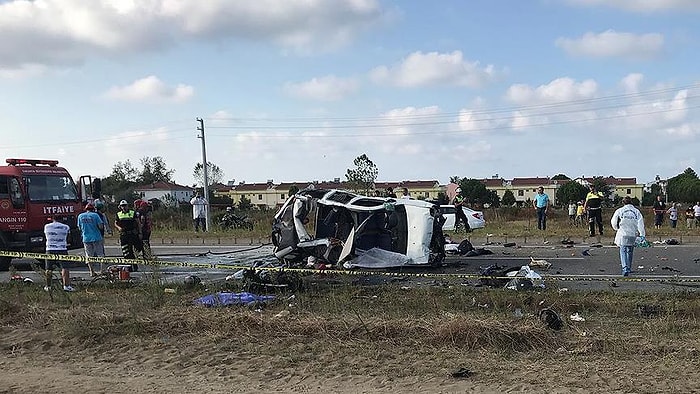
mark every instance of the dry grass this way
{"type": "Point", "coordinates": [374, 333]}
{"type": "Point", "coordinates": [464, 318]}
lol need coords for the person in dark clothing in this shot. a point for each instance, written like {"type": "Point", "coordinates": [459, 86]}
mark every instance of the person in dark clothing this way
{"type": "Point", "coordinates": [659, 209]}
{"type": "Point", "coordinates": [458, 201]}
{"type": "Point", "coordinates": [129, 232]}
{"type": "Point", "coordinates": [144, 215]}
{"type": "Point", "coordinates": [594, 207]}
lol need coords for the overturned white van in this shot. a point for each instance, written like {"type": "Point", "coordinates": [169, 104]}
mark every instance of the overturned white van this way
{"type": "Point", "coordinates": [337, 226]}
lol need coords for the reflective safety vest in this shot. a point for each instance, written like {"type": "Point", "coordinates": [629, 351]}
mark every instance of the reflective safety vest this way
{"type": "Point", "coordinates": [593, 200]}
{"type": "Point", "coordinates": [127, 220]}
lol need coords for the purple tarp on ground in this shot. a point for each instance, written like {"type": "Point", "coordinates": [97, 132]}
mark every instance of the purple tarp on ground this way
{"type": "Point", "coordinates": [225, 299]}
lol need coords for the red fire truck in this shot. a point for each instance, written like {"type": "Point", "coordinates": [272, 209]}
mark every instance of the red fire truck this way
{"type": "Point", "coordinates": [32, 191]}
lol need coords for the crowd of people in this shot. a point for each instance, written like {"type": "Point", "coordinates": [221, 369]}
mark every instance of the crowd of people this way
{"type": "Point", "coordinates": [134, 225]}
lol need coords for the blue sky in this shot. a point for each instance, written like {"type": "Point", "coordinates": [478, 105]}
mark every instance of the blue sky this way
{"type": "Point", "coordinates": [295, 90]}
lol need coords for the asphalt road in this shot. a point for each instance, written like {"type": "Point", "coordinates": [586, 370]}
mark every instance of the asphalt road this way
{"type": "Point", "coordinates": [578, 267]}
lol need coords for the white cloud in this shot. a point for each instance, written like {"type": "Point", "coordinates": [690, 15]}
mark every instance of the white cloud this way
{"type": "Point", "coordinates": [402, 121]}
{"type": "Point", "coordinates": [67, 32]}
{"type": "Point", "coordinates": [328, 88]}
{"type": "Point", "coordinates": [686, 130]}
{"type": "Point", "coordinates": [559, 90]}
{"type": "Point", "coordinates": [645, 6]}
{"type": "Point", "coordinates": [434, 69]}
{"type": "Point", "coordinates": [632, 82]}
{"type": "Point", "coordinates": [150, 89]}
{"type": "Point", "coordinates": [476, 121]}
{"type": "Point", "coordinates": [614, 44]}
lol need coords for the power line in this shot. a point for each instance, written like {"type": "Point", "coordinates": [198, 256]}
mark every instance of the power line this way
{"type": "Point", "coordinates": [477, 111]}
{"type": "Point", "coordinates": [391, 123]}
{"type": "Point", "coordinates": [491, 128]}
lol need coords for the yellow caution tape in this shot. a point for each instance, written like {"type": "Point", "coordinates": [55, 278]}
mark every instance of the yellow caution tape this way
{"type": "Point", "coordinates": [186, 264]}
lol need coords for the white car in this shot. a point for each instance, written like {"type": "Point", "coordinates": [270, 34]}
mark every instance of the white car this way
{"type": "Point", "coordinates": [336, 226]}
{"type": "Point", "coordinates": [476, 218]}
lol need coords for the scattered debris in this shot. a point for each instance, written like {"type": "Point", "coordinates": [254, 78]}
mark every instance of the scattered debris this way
{"type": "Point", "coordinates": [567, 241]}
{"type": "Point", "coordinates": [667, 268]}
{"type": "Point", "coordinates": [645, 310]}
{"type": "Point", "coordinates": [20, 278]}
{"type": "Point", "coordinates": [518, 313]}
{"type": "Point", "coordinates": [509, 244]}
{"type": "Point", "coordinates": [562, 290]}
{"type": "Point", "coordinates": [672, 241]}
{"type": "Point", "coordinates": [551, 319]}
{"type": "Point", "coordinates": [524, 279]}
{"type": "Point", "coordinates": [539, 263]}
{"type": "Point", "coordinates": [495, 275]}
{"type": "Point", "coordinates": [586, 253]}
{"type": "Point", "coordinates": [283, 313]}
{"type": "Point", "coordinates": [577, 317]}
{"type": "Point", "coordinates": [192, 280]}
{"type": "Point", "coordinates": [462, 373]}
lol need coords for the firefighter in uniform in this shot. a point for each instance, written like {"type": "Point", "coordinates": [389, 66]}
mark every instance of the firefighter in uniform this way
{"type": "Point", "coordinates": [594, 207]}
{"type": "Point", "coordinates": [128, 225]}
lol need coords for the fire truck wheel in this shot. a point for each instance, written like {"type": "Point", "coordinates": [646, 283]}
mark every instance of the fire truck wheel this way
{"type": "Point", "coordinates": [5, 263]}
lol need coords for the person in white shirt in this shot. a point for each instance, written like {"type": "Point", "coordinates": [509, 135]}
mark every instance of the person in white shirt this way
{"type": "Point", "coordinates": [199, 212]}
{"type": "Point", "coordinates": [696, 210]}
{"type": "Point", "coordinates": [629, 223]}
{"type": "Point", "coordinates": [673, 214]}
{"type": "Point", "coordinates": [56, 234]}
{"type": "Point", "coordinates": [405, 194]}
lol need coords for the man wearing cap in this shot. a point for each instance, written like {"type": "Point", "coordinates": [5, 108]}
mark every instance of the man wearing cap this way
{"type": "Point", "coordinates": [129, 237]}
{"type": "Point", "coordinates": [91, 229]}
{"type": "Point", "coordinates": [56, 234]}
{"type": "Point", "coordinates": [459, 202]}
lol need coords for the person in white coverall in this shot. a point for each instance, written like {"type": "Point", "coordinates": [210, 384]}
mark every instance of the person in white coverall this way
{"type": "Point", "coordinates": [629, 223]}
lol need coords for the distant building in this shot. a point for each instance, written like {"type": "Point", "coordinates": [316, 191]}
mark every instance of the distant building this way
{"type": "Point", "coordinates": [524, 189]}
{"type": "Point", "coordinates": [166, 192]}
{"type": "Point", "coordinates": [270, 195]}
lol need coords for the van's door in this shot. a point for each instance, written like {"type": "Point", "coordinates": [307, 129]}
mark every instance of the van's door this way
{"type": "Point", "coordinates": [85, 189]}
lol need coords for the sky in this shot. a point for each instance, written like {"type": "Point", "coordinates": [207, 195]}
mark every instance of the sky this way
{"type": "Point", "coordinates": [295, 90]}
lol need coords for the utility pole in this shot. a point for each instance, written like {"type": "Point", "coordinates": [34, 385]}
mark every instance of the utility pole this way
{"type": "Point", "coordinates": [204, 171]}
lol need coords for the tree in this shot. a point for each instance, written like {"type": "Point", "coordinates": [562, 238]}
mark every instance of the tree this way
{"type": "Point", "coordinates": [508, 199]}
{"type": "Point", "coordinates": [475, 192]}
{"type": "Point", "coordinates": [571, 191]}
{"type": "Point", "coordinates": [442, 199]}
{"type": "Point", "coordinates": [294, 189]}
{"type": "Point", "coordinates": [154, 170]}
{"type": "Point", "coordinates": [214, 174]}
{"type": "Point", "coordinates": [648, 197]}
{"type": "Point", "coordinates": [244, 204]}
{"type": "Point", "coordinates": [560, 177]}
{"type": "Point", "coordinates": [603, 188]}
{"type": "Point", "coordinates": [120, 184]}
{"type": "Point", "coordinates": [684, 187]}
{"type": "Point", "coordinates": [361, 179]}
{"type": "Point", "coordinates": [455, 179]}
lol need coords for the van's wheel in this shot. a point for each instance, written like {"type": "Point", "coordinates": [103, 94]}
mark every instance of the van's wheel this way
{"type": "Point", "coordinates": [5, 263]}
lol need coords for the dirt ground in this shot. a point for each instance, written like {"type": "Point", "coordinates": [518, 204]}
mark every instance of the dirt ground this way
{"type": "Point", "coordinates": [38, 362]}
